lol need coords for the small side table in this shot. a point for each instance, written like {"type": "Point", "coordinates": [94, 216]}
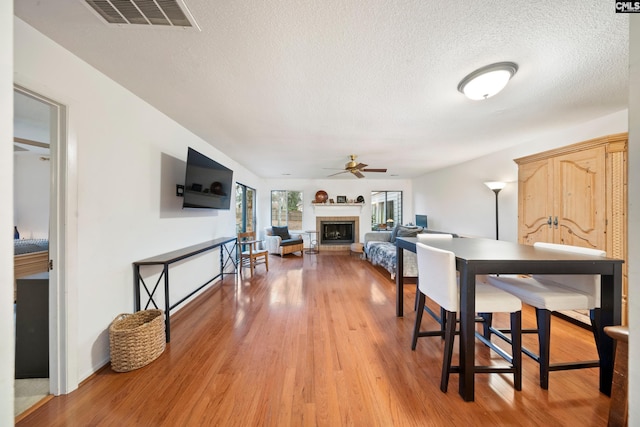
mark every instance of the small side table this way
{"type": "Point", "coordinates": [314, 236]}
{"type": "Point", "coordinates": [357, 248]}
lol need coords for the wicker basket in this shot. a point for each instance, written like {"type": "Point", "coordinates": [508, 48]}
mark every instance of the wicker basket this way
{"type": "Point", "coordinates": [137, 339]}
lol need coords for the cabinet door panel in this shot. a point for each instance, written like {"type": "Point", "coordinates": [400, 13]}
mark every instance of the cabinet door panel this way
{"type": "Point", "coordinates": [580, 202]}
{"type": "Point", "coordinates": [535, 202]}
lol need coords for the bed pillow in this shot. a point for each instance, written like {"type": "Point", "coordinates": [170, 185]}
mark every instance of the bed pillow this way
{"type": "Point", "coordinates": [283, 232]}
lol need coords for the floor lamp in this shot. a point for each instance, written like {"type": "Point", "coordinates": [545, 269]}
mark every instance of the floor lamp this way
{"type": "Point", "coordinates": [496, 186]}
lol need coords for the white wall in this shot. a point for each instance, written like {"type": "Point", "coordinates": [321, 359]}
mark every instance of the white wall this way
{"type": "Point", "coordinates": [129, 159]}
{"type": "Point", "coordinates": [456, 199]}
{"type": "Point", "coordinates": [31, 195]}
{"type": "Point", "coordinates": [634, 219]}
{"type": "Point", "coordinates": [352, 188]}
{"type": "Point", "coordinates": [7, 349]}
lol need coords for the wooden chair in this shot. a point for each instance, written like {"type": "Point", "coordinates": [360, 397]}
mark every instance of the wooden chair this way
{"type": "Point", "coordinates": [437, 279]}
{"type": "Point", "coordinates": [250, 255]}
{"type": "Point", "coordinates": [548, 293]}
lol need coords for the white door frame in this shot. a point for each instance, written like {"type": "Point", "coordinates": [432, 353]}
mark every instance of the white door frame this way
{"type": "Point", "coordinates": [63, 376]}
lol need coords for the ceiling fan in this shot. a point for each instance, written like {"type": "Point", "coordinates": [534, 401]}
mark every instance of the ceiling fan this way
{"type": "Point", "coordinates": [356, 168]}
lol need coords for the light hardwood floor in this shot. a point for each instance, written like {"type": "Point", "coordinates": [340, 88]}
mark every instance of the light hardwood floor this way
{"type": "Point", "coordinates": [315, 341]}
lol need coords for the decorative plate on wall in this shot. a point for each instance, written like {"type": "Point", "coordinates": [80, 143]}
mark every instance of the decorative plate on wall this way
{"type": "Point", "coordinates": [321, 196]}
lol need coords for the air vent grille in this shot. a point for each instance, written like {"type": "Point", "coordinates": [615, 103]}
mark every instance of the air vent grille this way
{"type": "Point", "coordinates": [166, 13]}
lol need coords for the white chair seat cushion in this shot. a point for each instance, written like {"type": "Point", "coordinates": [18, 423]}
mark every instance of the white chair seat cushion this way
{"type": "Point", "coordinates": [544, 294]}
{"type": "Point", "coordinates": [490, 299]}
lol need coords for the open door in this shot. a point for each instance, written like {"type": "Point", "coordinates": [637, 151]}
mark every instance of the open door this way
{"type": "Point", "coordinates": [39, 200]}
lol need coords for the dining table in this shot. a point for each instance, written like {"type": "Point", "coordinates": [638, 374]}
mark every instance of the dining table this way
{"type": "Point", "coordinates": [477, 256]}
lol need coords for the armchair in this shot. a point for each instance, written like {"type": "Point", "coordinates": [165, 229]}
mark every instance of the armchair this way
{"type": "Point", "coordinates": [279, 241]}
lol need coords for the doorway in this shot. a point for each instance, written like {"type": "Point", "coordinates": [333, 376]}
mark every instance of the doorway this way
{"type": "Point", "coordinates": [39, 153]}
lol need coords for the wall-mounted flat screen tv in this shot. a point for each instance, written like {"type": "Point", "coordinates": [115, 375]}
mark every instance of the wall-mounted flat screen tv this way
{"type": "Point", "coordinates": [207, 183]}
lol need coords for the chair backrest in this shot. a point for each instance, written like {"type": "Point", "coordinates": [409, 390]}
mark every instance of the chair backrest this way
{"type": "Point", "coordinates": [437, 275]}
{"type": "Point", "coordinates": [434, 236]}
{"type": "Point", "coordinates": [249, 235]}
{"type": "Point", "coordinates": [245, 237]}
{"type": "Point", "coordinates": [587, 283]}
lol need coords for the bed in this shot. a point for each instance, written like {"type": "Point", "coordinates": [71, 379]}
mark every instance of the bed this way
{"type": "Point", "coordinates": [31, 256]}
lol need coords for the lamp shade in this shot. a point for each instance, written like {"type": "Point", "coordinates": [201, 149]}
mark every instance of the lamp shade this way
{"type": "Point", "coordinates": [495, 185]}
{"type": "Point", "coordinates": [487, 81]}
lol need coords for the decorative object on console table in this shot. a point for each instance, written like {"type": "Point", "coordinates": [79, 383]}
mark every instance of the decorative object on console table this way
{"type": "Point", "coordinates": [331, 201]}
{"type": "Point", "coordinates": [341, 199]}
{"type": "Point", "coordinates": [360, 199]}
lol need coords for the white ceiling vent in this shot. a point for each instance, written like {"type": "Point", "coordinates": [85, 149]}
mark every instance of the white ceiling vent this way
{"type": "Point", "coordinates": [151, 13]}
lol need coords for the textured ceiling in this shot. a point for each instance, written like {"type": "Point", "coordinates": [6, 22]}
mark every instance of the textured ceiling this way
{"type": "Point", "coordinates": [293, 87]}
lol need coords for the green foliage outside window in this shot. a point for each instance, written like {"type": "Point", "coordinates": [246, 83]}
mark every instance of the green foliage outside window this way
{"type": "Point", "coordinates": [286, 208]}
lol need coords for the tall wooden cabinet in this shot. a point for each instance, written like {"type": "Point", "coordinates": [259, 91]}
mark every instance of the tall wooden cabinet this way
{"type": "Point", "coordinates": [577, 195]}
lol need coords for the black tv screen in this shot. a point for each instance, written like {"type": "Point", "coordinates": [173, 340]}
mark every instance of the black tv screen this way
{"type": "Point", "coordinates": [207, 183]}
{"type": "Point", "coordinates": [421, 220]}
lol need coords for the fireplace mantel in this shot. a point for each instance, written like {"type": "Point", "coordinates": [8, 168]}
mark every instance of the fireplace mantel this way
{"type": "Point", "coordinates": [336, 205]}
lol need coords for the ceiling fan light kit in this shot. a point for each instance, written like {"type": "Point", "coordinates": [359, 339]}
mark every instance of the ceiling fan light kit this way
{"type": "Point", "coordinates": [487, 81]}
{"type": "Point", "coordinates": [357, 168]}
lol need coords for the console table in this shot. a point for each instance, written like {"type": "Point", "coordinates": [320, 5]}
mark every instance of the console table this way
{"type": "Point", "coordinates": [226, 255]}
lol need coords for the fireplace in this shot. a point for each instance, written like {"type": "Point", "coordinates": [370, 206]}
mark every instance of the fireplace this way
{"type": "Point", "coordinates": [337, 232]}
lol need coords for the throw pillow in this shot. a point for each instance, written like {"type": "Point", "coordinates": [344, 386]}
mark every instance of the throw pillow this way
{"type": "Point", "coordinates": [405, 231]}
{"type": "Point", "coordinates": [283, 232]}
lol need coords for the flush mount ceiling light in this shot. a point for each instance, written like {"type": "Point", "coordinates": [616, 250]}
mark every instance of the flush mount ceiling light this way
{"type": "Point", "coordinates": [487, 81]}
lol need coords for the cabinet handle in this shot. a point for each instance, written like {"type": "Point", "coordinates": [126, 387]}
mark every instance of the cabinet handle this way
{"type": "Point", "coordinates": [555, 222]}
{"type": "Point", "coordinates": [549, 221]}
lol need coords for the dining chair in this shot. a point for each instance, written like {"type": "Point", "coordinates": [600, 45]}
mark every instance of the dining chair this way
{"type": "Point", "coordinates": [425, 238]}
{"type": "Point", "coordinates": [549, 293]}
{"type": "Point", "coordinates": [438, 280]}
{"type": "Point", "coordinates": [250, 255]}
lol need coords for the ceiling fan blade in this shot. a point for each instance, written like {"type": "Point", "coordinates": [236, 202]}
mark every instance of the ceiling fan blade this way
{"type": "Point", "coordinates": [373, 170]}
{"type": "Point", "coordinates": [337, 173]}
{"type": "Point", "coordinates": [358, 174]}
{"type": "Point", "coordinates": [360, 166]}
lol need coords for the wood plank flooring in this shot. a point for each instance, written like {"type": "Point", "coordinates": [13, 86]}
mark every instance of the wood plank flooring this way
{"type": "Point", "coordinates": [315, 342]}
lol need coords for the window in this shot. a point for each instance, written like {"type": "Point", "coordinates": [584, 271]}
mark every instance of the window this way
{"type": "Point", "coordinates": [286, 209]}
{"type": "Point", "coordinates": [386, 209]}
{"type": "Point", "coordinates": [245, 208]}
